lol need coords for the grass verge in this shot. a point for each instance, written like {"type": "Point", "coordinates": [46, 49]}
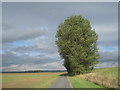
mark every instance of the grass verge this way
{"type": "Point", "coordinates": [82, 83]}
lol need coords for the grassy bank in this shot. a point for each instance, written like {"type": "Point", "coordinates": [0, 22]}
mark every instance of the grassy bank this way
{"type": "Point", "coordinates": [28, 80]}
{"type": "Point", "coordinates": [82, 83]}
{"type": "Point", "coordinates": [107, 77]}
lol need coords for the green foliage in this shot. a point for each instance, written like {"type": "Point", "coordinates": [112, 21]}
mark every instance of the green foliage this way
{"type": "Point", "coordinates": [76, 42]}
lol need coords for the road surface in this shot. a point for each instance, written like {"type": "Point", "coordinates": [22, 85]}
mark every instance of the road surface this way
{"type": "Point", "coordinates": [62, 82]}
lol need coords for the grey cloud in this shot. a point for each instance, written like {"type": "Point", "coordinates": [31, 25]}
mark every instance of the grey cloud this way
{"type": "Point", "coordinates": [14, 35]}
{"type": "Point", "coordinates": [52, 14]}
{"type": "Point", "coordinates": [107, 64]}
{"type": "Point", "coordinates": [108, 59]}
{"type": "Point", "coordinates": [23, 67]}
{"type": "Point", "coordinates": [6, 27]}
{"type": "Point", "coordinates": [16, 63]}
{"type": "Point", "coordinates": [96, 12]}
{"type": "Point", "coordinates": [28, 49]}
{"type": "Point", "coordinates": [107, 34]}
{"type": "Point", "coordinates": [10, 58]}
{"type": "Point", "coordinates": [21, 19]}
{"type": "Point", "coordinates": [44, 47]}
{"type": "Point", "coordinates": [48, 60]}
{"type": "Point", "coordinates": [40, 45]}
{"type": "Point", "coordinates": [106, 56]}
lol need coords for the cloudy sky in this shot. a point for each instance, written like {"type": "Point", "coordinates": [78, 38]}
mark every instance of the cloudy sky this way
{"type": "Point", "coordinates": [28, 33]}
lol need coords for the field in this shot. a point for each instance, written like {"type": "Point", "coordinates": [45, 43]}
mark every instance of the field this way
{"type": "Point", "coordinates": [28, 80]}
{"type": "Point", "coordinates": [107, 77]}
{"type": "Point", "coordinates": [98, 78]}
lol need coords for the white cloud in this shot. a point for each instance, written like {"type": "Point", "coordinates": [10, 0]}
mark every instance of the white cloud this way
{"type": "Point", "coordinates": [25, 67]}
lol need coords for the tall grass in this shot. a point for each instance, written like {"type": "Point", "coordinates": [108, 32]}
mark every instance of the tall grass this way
{"type": "Point", "coordinates": [107, 77]}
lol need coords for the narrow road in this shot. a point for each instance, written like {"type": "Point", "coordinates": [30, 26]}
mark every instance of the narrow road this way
{"type": "Point", "coordinates": [62, 82]}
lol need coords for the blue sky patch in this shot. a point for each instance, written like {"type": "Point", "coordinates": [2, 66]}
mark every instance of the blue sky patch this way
{"type": "Point", "coordinates": [22, 43]}
{"type": "Point", "coordinates": [108, 48]}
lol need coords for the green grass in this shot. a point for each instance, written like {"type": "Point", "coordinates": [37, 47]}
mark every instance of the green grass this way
{"type": "Point", "coordinates": [28, 80]}
{"type": "Point", "coordinates": [82, 83]}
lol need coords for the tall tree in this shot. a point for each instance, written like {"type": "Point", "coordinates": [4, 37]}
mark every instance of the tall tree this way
{"type": "Point", "coordinates": [77, 45]}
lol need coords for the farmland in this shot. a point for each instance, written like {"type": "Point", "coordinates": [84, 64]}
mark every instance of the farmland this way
{"type": "Point", "coordinates": [40, 80]}
{"type": "Point", "coordinates": [28, 80]}
{"type": "Point", "coordinates": [98, 78]}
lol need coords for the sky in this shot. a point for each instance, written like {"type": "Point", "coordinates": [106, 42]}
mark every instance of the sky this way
{"type": "Point", "coordinates": [29, 29]}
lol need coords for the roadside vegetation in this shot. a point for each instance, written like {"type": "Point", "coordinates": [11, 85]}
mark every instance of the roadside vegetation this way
{"type": "Point", "coordinates": [107, 77]}
{"type": "Point", "coordinates": [28, 80]}
{"type": "Point", "coordinates": [82, 83]}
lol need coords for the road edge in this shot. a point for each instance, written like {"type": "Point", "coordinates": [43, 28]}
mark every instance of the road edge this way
{"type": "Point", "coordinates": [69, 82]}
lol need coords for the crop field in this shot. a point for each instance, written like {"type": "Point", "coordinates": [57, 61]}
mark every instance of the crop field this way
{"type": "Point", "coordinates": [28, 80]}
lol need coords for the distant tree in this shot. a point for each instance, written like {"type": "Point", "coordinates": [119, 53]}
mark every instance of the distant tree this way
{"type": "Point", "coordinates": [77, 45]}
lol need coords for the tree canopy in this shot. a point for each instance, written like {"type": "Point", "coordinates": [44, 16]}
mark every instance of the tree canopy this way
{"type": "Point", "coordinates": [77, 45]}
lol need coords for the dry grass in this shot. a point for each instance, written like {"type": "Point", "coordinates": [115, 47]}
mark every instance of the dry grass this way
{"type": "Point", "coordinates": [110, 82]}
{"type": "Point", "coordinates": [107, 80]}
